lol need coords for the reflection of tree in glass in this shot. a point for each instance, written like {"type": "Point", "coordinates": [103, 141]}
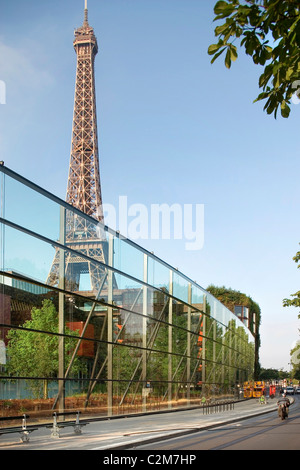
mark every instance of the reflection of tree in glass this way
{"type": "Point", "coordinates": [34, 354]}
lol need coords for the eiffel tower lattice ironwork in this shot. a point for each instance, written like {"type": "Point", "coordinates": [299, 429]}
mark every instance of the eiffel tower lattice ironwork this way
{"type": "Point", "coordinates": [83, 189]}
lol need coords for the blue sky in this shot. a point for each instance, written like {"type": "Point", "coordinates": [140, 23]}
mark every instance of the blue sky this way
{"type": "Point", "coordinates": [172, 129]}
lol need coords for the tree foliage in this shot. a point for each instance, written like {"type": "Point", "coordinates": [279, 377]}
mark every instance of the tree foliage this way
{"type": "Point", "coordinates": [269, 32]}
{"type": "Point", "coordinates": [33, 350]}
{"type": "Point", "coordinates": [273, 374]}
{"type": "Point", "coordinates": [295, 360]}
{"type": "Point", "coordinates": [230, 298]}
{"type": "Point", "coordinates": [295, 301]}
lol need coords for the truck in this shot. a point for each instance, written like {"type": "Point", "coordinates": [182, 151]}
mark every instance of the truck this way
{"type": "Point", "coordinates": [248, 389]}
{"type": "Point", "coordinates": [259, 389]}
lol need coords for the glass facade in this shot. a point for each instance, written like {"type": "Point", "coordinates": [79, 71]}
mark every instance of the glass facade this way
{"type": "Point", "coordinates": [91, 321]}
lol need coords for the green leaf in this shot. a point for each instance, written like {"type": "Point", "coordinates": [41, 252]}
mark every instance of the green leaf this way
{"type": "Point", "coordinates": [220, 7]}
{"type": "Point", "coordinates": [289, 73]}
{"type": "Point", "coordinates": [277, 80]}
{"type": "Point", "coordinates": [217, 55]}
{"type": "Point", "coordinates": [223, 9]}
{"type": "Point", "coordinates": [221, 29]}
{"type": "Point", "coordinates": [285, 110]}
{"type": "Point", "coordinates": [265, 77]}
{"type": "Point", "coordinates": [233, 53]}
{"type": "Point", "coordinates": [228, 58]}
{"type": "Point", "coordinates": [261, 96]}
{"type": "Point", "coordinates": [213, 48]}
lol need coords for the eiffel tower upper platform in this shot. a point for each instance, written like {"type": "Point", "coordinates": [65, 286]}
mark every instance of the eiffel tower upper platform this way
{"type": "Point", "coordinates": [84, 188]}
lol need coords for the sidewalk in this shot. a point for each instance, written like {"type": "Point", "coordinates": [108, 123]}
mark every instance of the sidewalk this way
{"type": "Point", "coordinates": [125, 433]}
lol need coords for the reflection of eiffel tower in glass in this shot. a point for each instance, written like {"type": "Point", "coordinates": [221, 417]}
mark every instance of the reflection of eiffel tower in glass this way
{"type": "Point", "coordinates": [84, 189]}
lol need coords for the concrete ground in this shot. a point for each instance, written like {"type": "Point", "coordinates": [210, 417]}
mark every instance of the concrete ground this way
{"type": "Point", "coordinates": [126, 432]}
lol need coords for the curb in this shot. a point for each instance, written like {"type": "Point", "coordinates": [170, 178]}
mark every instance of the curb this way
{"type": "Point", "coordinates": [179, 433]}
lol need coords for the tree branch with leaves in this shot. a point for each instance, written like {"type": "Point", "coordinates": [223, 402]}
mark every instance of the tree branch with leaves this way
{"type": "Point", "coordinates": [269, 32]}
{"type": "Point", "coordinates": [295, 301]}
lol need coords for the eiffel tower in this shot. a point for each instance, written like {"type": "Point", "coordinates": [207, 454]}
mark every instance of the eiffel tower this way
{"type": "Point", "coordinates": [83, 189]}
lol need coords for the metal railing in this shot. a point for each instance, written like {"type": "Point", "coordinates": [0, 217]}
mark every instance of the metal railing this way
{"type": "Point", "coordinates": [217, 407]}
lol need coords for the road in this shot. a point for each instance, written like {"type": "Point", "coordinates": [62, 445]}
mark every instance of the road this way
{"type": "Point", "coordinates": [266, 432]}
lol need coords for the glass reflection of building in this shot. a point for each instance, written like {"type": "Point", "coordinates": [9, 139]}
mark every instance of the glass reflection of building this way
{"type": "Point", "coordinates": [148, 338]}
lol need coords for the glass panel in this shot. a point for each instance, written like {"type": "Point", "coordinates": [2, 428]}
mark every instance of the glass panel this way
{"type": "Point", "coordinates": [158, 274]}
{"type": "Point", "coordinates": [27, 256]}
{"type": "Point", "coordinates": [31, 209]}
{"type": "Point", "coordinates": [128, 259]}
{"type": "Point", "coordinates": [197, 297]}
{"type": "Point", "coordinates": [155, 364]}
{"type": "Point", "coordinates": [180, 287]}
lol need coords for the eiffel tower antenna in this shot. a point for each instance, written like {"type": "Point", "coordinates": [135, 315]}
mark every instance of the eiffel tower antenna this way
{"type": "Point", "coordinates": [83, 188]}
{"type": "Point", "coordinates": [85, 13]}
